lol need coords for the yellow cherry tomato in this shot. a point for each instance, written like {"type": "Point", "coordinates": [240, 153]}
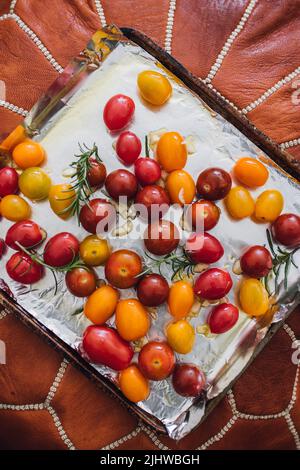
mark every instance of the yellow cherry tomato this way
{"type": "Point", "coordinates": [181, 187]}
{"type": "Point", "coordinates": [14, 208]}
{"type": "Point", "coordinates": [35, 184]}
{"type": "Point", "coordinates": [101, 305]}
{"type": "Point", "coordinates": [180, 336]}
{"type": "Point", "coordinates": [253, 297]}
{"type": "Point", "coordinates": [250, 172]}
{"type": "Point", "coordinates": [154, 87]}
{"type": "Point", "coordinates": [61, 197]}
{"type": "Point", "coordinates": [132, 319]}
{"type": "Point", "coordinates": [133, 384]}
{"type": "Point", "coordinates": [180, 299]}
{"type": "Point", "coordinates": [269, 205]}
{"type": "Point", "coordinates": [171, 151]}
{"type": "Point", "coordinates": [239, 203]}
{"type": "Point", "coordinates": [28, 153]}
{"type": "Point", "coordinates": [94, 251]}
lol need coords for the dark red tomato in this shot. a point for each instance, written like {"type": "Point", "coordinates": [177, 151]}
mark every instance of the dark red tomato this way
{"type": "Point", "coordinates": [121, 183]}
{"type": "Point", "coordinates": [118, 112]}
{"type": "Point", "coordinates": [203, 248]}
{"type": "Point", "coordinates": [213, 284]}
{"type": "Point", "coordinates": [128, 147]}
{"type": "Point", "coordinates": [256, 261]}
{"type": "Point", "coordinates": [188, 380]}
{"type": "Point", "coordinates": [8, 181]}
{"type": "Point", "coordinates": [26, 232]}
{"type": "Point", "coordinates": [154, 202]}
{"type": "Point", "coordinates": [222, 318]}
{"type": "Point", "coordinates": [286, 230]}
{"type": "Point", "coordinates": [147, 171]}
{"type": "Point", "coordinates": [161, 237]}
{"type": "Point", "coordinates": [97, 216]}
{"type": "Point", "coordinates": [204, 215]}
{"type": "Point", "coordinates": [2, 247]}
{"type": "Point", "coordinates": [96, 173]}
{"type": "Point", "coordinates": [214, 183]}
{"type": "Point", "coordinates": [104, 345]}
{"type": "Point", "coordinates": [123, 268]}
{"type": "Point", "coordinates": [81, 282]}
{"type": "Point", "coordinates": [156, 360]}
{"type": "Point", "coordinates": [153, 290]}
{"type": "Point", "coordinates": [61, 250]}
{"type": "Point", "coordinates": [21, 268]}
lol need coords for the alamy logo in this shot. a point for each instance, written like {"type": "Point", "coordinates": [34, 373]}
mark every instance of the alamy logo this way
{"type": "Point", "coordinates": [2, 352]}
{"type": "Point", "coordinates": [296, 354]}
{"type": "Point", "coordinates": [296, 93]}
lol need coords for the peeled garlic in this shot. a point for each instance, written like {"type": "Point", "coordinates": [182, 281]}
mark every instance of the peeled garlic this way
{"type": "Point", "coordinates": [122, 230]}
{"type": "Point", "coordinates": [236, 268]}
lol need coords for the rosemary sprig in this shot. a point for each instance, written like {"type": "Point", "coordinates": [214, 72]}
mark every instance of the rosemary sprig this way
{"type": "Point", "coordinates": [37, 258]}
{"type": "Point", "coordinates": [282, 260]}
{"type": "Point", "coordinates": [79, 181]}
{"type": "Point", "coordinates": [178, 261]}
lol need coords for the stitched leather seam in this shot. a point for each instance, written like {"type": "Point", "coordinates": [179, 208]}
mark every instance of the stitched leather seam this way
{"type": "Point", "coordinates": [169, 27]}
{"type": "Point", "coordinates": [14, 108]}
{"type": "Point", "coordinates": [100, 11]}
{"type": "Point", "coordinates": [290, 143]}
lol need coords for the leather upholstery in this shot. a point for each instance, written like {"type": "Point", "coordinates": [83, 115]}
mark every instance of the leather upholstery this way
{"type": "Point", "coordinates": [264, 51]}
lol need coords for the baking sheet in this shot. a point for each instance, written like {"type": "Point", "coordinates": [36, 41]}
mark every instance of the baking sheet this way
{"type": "Point", "coordinates": [217, 143]}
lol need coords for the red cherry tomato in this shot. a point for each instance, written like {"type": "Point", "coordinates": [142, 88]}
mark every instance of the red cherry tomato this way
{"type": "Point", "coordinates": [61, 250]}
{"type": "Point", "coordinates": [21, 268]}
{"type": "Point", "coordinates": [104, 345]}
{"type": "Point", "coordinates": [81, 282]}
{"type": "Point", "coordinates": [122, 268]}
{"type": "Point", "coordinates": [155, 202]}
{"type": "Point", "coordinates": [121, 183]}
{"type": "Point", "coordinates": [97, 216]}
{"type": "Point", "coordinates": [118, 112]}
{"type": "Point", "coordinates": [147, 171]}
{"type": "Point", "coordinates": [188, 380]}
{"type": "Point", "coordinates": [26, 232]}
{"type": "Point", "coordinates": [286, 229]}
{"type": "Point", "coordinates": [153, 290]}
{"type": "Point", "coordinates": [8, 181]}
{"type": "Point", "coordinates": [128, 147]}
{"type": "Point", "coordinates": [156, 360]}
{"type": "Point", "coordinates": [96, 173]}
{"type": "Point", "coordinates": [213, 284]}
{"type": "Point", "coordinates": [256, 261]}
{"type": "Point", "coordinates": [203, 215]}
{"type": "Point", "coordinates": [161, 237]}
{"type": "Point", "coordinates": [214, 183]}
{"type": "Point", "coordinates": [2, 247]}
{"type": "Point", "coordinates": [203, 248]}
{"type": "Point", "coordinates": [222, 318]}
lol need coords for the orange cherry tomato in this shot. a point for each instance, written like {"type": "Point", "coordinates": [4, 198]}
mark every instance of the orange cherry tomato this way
{"type": "Point", "coordinates": [181, 299]}
{"type": "Point", "coordinates": [101, 305]}
{"type": "Point", "coordinates": [253, 297]}
{"type": "Point", "coordinates": [13, 139]}
{"type": "Point", "coordinates": [15, 208]}
{"type": "Point", "coordinates": [94, 251]}
{"type": "Point", "coordinates": [171, 151]}
{"type": "Point", "coordinates": [61, 197]}
{"type": "Point", "coordinates": [154, 87]}
{"type": "Point", "coordinates": [181, 187]}
{"type": "Point", "coordinates": [239, 203]}
{"type": "Point", "coordinates": [269, 205]}
{"type": "Point", "coordinates": [181, 336]}
{"type": "Point", "coordinates": [133, 384]}
{"type": "Point", "coordinates": [250, 172]}
{"type": "Point", "coordinates": [132, 319]}
{"type": "Point", "coordinates": [28, 153]}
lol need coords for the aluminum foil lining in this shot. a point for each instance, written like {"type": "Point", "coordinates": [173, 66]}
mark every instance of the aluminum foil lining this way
{"type": "Point", "coordinates": [77, 117]}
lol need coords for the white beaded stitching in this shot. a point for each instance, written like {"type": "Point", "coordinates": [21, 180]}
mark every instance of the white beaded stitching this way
{"type": "Point", "coordinates": [56, 382]}
{"type": "Point", "coordinates": [236, 414]}
{"type": "Point", "coordinates": [225, 49]}
{"type": "Point", "coordinates": [38, 43]}
{"type": "Point", "coordinates": [127, 437]}
{"type": "Point", "coordinates": [6, 16]}
{"type": "Point", "coordinates": [100, 11]}
{"type": "Point", "coordinates": [57, 423]}
{"type": "Point", "coordinates": [153, 437]}
{"type": "Point", "coordinates": [12, 5]}
{"type": "Point", "coordinates": [290, 143]}
{"type": "Point", "coordinates": [3, 314]}
{"type": "Point", "coordinates": [14, 108]}
{"type": "Point", "coordinates": [169, 27]}
{"type": "Point", "coordinates": [288, 78]}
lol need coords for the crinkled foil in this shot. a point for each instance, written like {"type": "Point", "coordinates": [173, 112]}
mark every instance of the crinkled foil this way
{"type": "Point", "coordinates": [59, 121]}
